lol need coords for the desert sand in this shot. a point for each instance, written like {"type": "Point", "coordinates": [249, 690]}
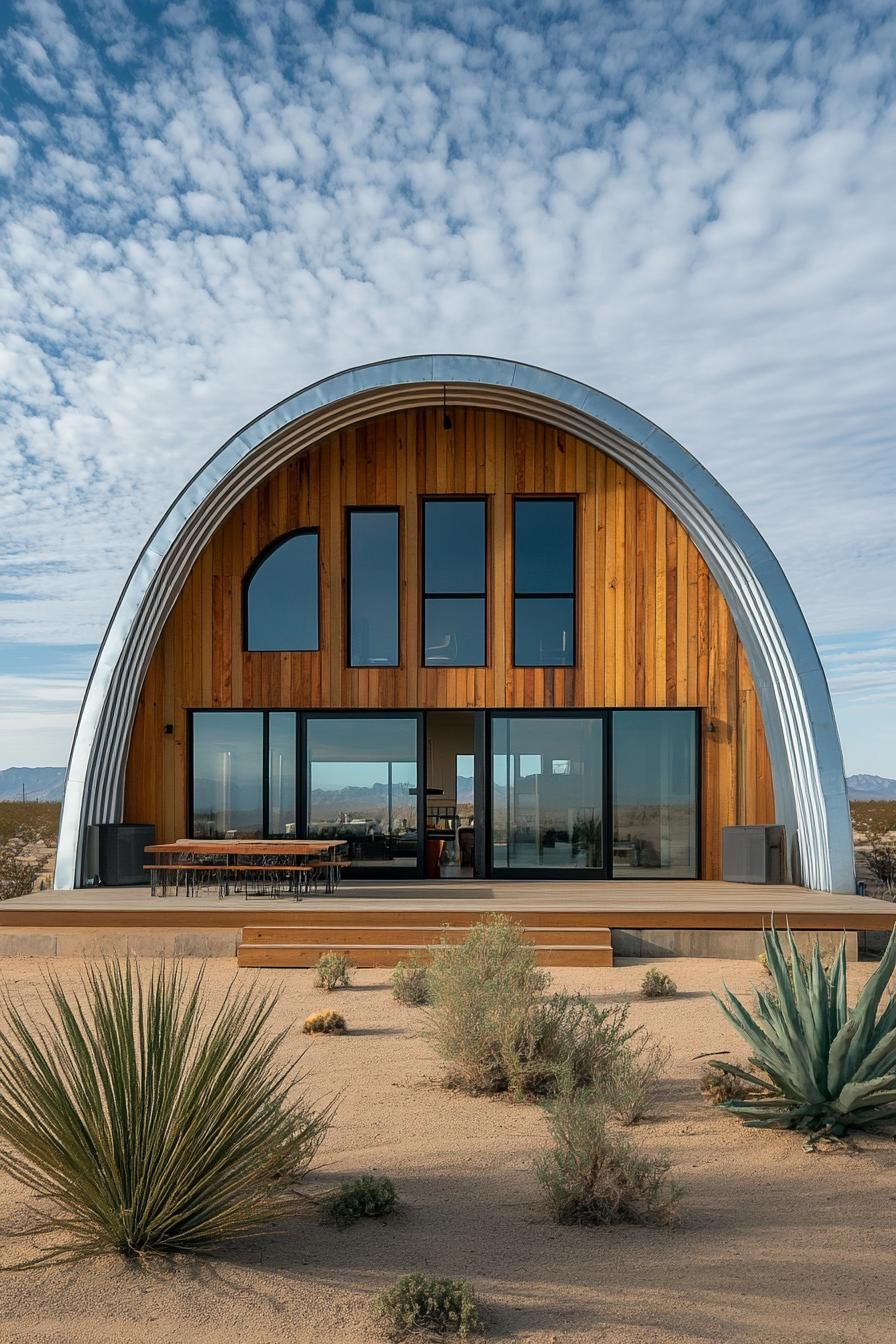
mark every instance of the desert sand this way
{"type": "Point", "coordinates": [777, 1244]}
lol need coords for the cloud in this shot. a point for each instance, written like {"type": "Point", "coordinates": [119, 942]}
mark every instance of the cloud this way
{"type": "Point", "coordinates": [688, 206]}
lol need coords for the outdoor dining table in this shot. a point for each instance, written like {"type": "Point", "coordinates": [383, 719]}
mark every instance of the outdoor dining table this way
{"type": "Point", "coordinates": [226, 858]}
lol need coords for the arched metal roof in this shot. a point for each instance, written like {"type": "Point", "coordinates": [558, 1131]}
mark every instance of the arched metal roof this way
{"type": "Point", "coordinates": [807, 766]}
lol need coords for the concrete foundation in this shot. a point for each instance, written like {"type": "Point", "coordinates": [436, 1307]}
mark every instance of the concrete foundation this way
{"type": "Point", "coordinates": [725, 944]}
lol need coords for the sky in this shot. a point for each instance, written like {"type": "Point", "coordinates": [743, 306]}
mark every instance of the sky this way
{"type": "Point", "coordinates": [206, 206]}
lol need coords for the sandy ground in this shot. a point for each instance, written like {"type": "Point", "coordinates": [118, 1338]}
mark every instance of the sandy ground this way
{"type": "Point", "coordinates": [777, 1245]}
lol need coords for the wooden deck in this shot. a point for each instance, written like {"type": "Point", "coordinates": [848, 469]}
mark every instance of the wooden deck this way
{"type": "Point", "coordinates": [613, 905]}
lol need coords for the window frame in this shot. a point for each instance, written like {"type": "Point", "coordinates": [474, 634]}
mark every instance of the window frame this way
{"type": "Point", "coordinates": [572, 595]}
{"type": "Point", "coordinates": [350, 510]}
{"type": "Point", "coordinates": [483, 596]}
{"type": "Point", "coordinates": [253, 569]}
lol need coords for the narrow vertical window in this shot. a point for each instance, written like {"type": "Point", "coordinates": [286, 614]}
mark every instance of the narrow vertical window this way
{"type": "Point", "coordinates": [373, 587]}
{"type": "Point", "coordinates": [454, 582]}
{"type": "Point", "coordinates": [544, 598]}
{"type": "Point", "coordinates": [281, 596]}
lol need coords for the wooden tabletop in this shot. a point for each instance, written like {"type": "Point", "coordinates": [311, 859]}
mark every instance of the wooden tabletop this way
{"type": "Point", "coordinates": [245, 847]}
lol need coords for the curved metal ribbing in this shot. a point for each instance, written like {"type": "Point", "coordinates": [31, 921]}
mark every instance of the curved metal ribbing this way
{"type": "Point", "coordinates": [807, 767]}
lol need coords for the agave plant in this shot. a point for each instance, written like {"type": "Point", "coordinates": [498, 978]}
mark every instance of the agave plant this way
{"type": "Point", "coordinates": [145, 1122]}
{"type": "Point", "coordinates": [827, 1069]}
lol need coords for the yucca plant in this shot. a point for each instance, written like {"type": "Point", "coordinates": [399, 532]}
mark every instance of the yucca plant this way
{"type": "Point", "coordinates": [832, 1069]}
{"type": "Point", "coordinates": [144, 1121]}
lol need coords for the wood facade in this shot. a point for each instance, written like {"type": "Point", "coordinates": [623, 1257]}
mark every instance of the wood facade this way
{"type": "Point", "coordinates": [653, 628]}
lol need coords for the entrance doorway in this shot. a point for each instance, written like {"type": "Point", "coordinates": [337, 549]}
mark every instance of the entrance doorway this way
{"type": "Point", "coordinates": [453, 794]}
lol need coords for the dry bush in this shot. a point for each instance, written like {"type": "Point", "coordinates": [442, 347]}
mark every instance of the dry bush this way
{"type": "Point", "coordinates": [324, 1024]}
{"type": "Point", "coordinates": [719, 1086]}
{"type": "Point", "coordinates": [18, 876]}
{"type": "Point", "coordinates": [29, 822]}
{"type": "Point", "coordinates": [632, 1082]}
{"type": "Point", "coordinates": [594, 1176]}
{"type": "Point", "coordinates": [881, 860]}
{"type": "Point", "coordinates": [874, 819]}
{"type": "Point", "coordinates": [493, 1023]}
{"type": "Point", "coordinates": [410, 981]}
{"type": "Point", "coordinates": [422, 1306]}
{"type": "Point", "coordinates": [333, 971]}
{"type": "Point", "coordinates": [657, 985]}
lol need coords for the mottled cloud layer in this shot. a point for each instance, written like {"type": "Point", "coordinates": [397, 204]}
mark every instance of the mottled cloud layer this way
{"type": "Point", "coordinates": [688, 205]}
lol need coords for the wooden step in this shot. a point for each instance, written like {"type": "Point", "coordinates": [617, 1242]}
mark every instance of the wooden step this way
{"type": "Point", "coordinates": [415, 917]}
{"type": "Point", "coordinates": [285, 956]}
{"type": "Point", "coordinates": [388, 933]}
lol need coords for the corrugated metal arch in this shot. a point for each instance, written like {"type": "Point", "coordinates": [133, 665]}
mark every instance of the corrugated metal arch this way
{"type": "Point", "coordinates": [804, 747]}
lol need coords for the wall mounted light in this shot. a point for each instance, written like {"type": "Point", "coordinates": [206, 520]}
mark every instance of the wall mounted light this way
{"type": "Point", "coordinates": [711, 727]}
{"type": "Point", "coordinates": [169, 727]}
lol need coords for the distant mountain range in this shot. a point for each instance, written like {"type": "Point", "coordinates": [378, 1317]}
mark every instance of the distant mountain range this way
{"type": "Point", "coordinates": [42, 783]}
{"type": "Point", "coordinates": [45, 783]}
{"type": "Point", "coordinates": [871, 788]}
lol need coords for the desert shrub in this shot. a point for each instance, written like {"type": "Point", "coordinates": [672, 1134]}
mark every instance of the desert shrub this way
{"type": "Point", "coordinates": [719, 1085]}
{"type": "Point", "coordinates": [367, 1197]}
{"type": "Point", "coordinates": [493, 1023]}
{"type": "Point", "coordinates": [145, 1121]}
{"type": "Point", "coordinates": [832, 1069]}
{"type": "Point", "coordinates": [417, 1304]}
{"type": "Point", "coordinates": [592, 1175]}
{"type": "Point", "coordinates": [410, 981]}
{"type": "Point", "coordinates": [29, 821]}
{"type": "Point", "coordinates": [18, 876]}
{"type": "Point", "coordinates": [632, 1081]}
{"type": "Point", "coordinates": [333, 971]}
{"type": "Point", "coordinates": [881, 859]}
{"type": "Point", "coordinates": [657, 985]}
{"type": "Point", "coordinates": [324, 1024]}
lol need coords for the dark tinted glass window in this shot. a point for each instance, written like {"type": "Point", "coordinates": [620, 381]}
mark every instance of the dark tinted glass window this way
{"type": "Point", "coordinates": [454, 582]}
{"type": "Point", "coordinates": [373, 587]}
{"type": "Point", "coordinates": [282, 742]}
{"type": "Point", "coordinates": [544, 582]}
{"type": "Point", "coordinates": [281, 597]}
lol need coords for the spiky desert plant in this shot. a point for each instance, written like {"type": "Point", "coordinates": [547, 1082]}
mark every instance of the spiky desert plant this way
{"type": "Point", "coordinates": [657, 985]}
{"type": "Point", "coordinates": [333, 971]}
{"type": "Point", "coordinates": [367, 1197]}
{"type": "Point", "coordinates": [419, 1305]}
{"type": "Point", "coordinates": [832, 1069]}
{"type": "Point", "coordinates": [325, 1023]}
{"type": "Point", "coordinates": [145, 1120]}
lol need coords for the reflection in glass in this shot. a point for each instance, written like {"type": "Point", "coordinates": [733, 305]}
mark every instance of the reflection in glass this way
{"type": "Point", "coordinates": [281, 775]}
{"type": "Point", "coordinates": [362, 781]}
{"type": "Point", "coordinates": [547, 792]}
{"type": "Point", "coordinates": [373, 588]}
{"type": "Point", "coordinates": [454, 582]}
{"type": "Point", "coordinates": [543, 631]}
{"type": "Point", "coordinates": [228, 765]}
{"type": "Point", "coordinates": [281, 597]}
{"type": "Point", "coordinates": [455, 631]}
{"type": "Point", "coordinates": [654, 793]}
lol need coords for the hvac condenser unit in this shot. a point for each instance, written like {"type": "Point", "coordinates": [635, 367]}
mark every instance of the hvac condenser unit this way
{"type": "Point", "coordinates": [753, 854]}
{"type": "Point", "coordinates": [115, 854]}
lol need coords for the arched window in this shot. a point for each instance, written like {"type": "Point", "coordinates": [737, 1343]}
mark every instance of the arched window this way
{"type": "Point", "coordinates": [280, 605]}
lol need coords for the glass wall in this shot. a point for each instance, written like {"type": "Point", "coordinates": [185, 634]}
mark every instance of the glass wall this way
{"type": "Point", "coordinates": [655, 803]}
{"type": "Point", "coordinates": [547, 792]}
{"type": "Point", "coordinates": [373, 587]}
{"type": "Point", "coordinates": [282, 753]}
{"type": "Point", "coordinates": [544, 582]}
{"type": "Point", "coordinates": [282, 597]}
{"type": "Point", "coordinates": [362, 786]}
{"type": "Point", "coordinates": [454, 582]}
{"type": "Point", "coordinates": [228, 775]}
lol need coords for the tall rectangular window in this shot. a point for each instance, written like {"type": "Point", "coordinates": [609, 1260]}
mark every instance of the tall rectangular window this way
{"type": "Point", "coordinates": [228, 775]}
{"type": "Point", "coordinates": [655, 802]}
{"type": "Point", "coordinates": [373, 587]}
{"type": "Point", "coordinates": [454, 582]}
{"type": "Point", "coordinates": [544, 598]}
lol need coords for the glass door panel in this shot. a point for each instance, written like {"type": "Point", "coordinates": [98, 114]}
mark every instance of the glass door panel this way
{"type": "Point", "coordinates": [361, 786]}
{"type": "Point", "coordinates": [228, 775]}
{"type": "Point", "coordinates": [548, 793]}
{"type": "Point", "coordinates": [655, 803]}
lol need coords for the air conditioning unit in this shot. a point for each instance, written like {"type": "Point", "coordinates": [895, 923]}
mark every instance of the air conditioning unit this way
{"type": "Point", "coordinates": [115, 855]}
{"type": "Point", "coordinates": [753, 854]}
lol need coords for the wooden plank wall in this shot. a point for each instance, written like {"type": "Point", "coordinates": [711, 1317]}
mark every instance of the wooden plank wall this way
{"type": "Point", "coordinates": [653, 627]}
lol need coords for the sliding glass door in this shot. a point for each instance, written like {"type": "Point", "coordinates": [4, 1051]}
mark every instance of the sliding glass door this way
{"type": "Point", "coordinates": [547, 794]}
{"type": "Point", "coordinates": [655, 794]}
